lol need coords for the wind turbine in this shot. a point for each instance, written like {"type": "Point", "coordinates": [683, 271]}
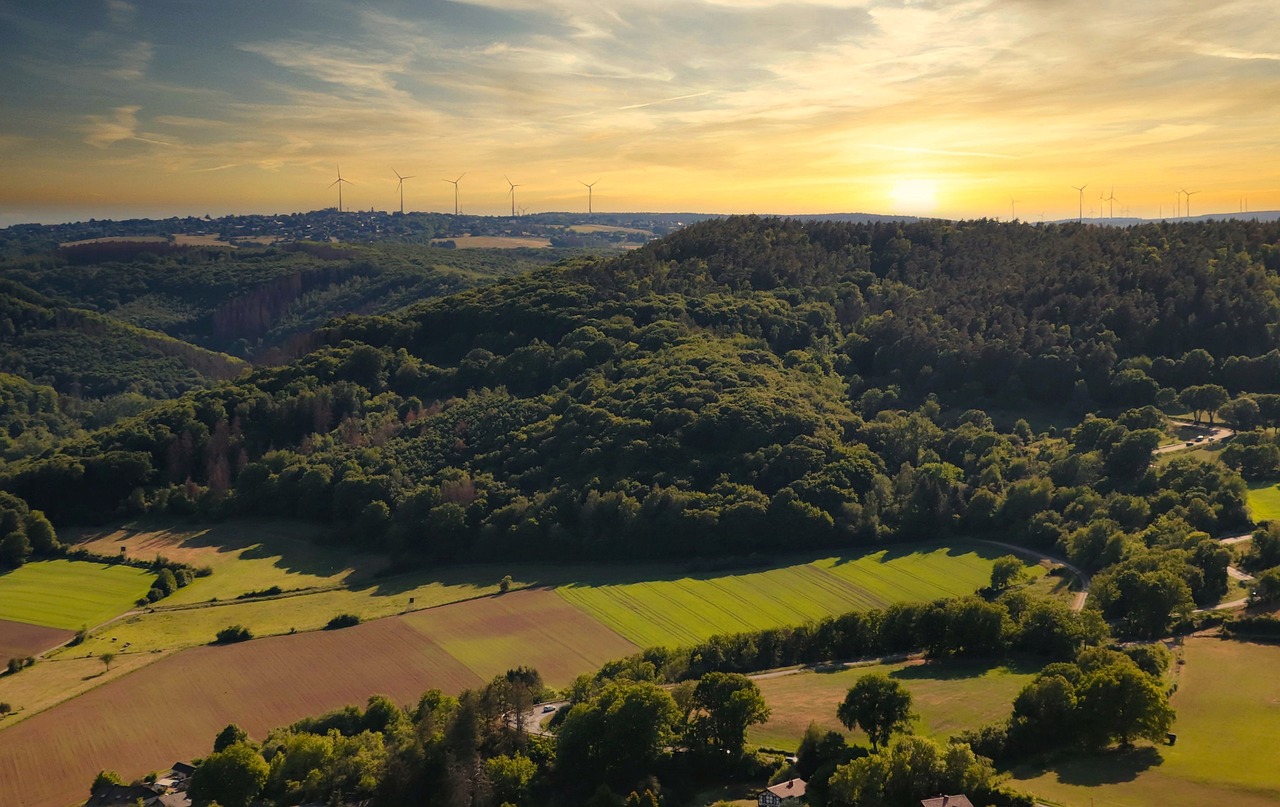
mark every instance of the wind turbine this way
{"type": "Point", "coordinates": [512, 194]}
{"type": "Point", "coordinates": [339, 182]}
{"type": "Point", "coordinates": [454, 183]}
{"type": "Point", "coordinates": [400, 187]}
{"type": "Point", "coordinates": [1081, 190]}
{"type": "Point", "coordinates": [1111, 197]}
{"type": "Point", "coordinates": [1189, 195]}
{"type": "Point", "coordinates": [1013, 210]}
{"type": "Point", "coordinates": [590, 186]}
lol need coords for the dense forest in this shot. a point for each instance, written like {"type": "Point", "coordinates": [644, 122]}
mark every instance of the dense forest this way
{"type": "Point", "coordinates": [747, 386]}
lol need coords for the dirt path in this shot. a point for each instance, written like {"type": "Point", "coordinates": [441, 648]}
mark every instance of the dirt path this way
{"type": "Point", "coordinates": [1077, 603]}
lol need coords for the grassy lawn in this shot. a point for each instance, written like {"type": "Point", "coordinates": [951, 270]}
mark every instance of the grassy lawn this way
{"type": "Point", "coordinates": [949, 697]}
{"type": "Point", "coordinates": [70, 594]}
{"type": "Point", "coordinates": [1228, 705]}
{"type": "Point", "coordinates": [684, 609]}
{"type": "Point", "coordinates": [1264, 501]}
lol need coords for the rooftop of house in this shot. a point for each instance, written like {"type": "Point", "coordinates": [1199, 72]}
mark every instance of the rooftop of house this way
{"type": "Point", "coordinates": [790, 789]}
{"type": "Point", "coordinates": [947, 801]}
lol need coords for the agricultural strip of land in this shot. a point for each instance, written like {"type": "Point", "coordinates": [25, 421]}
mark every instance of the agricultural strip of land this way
{"type": "Point", "coordinates": [949, 697]}
{"type": "Point", "coordinates": [70, 594]}
{"type": "Point", "coordinates": [19, 639]}
{"type": "Point", "coordinates": [172, 709]}
{"type": "Point", "coordinates": [1228, 705]}
{"type": "Point", "coordinates": [244, 556]}
{"type": "Point", "coordinates": [686, 610]}
{"type": "Point", "coordinates": [532, 628]}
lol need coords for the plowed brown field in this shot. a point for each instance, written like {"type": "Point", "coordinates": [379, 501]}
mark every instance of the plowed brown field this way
{"type": "Point", "coordinates": [18, 639]}
{"type": "Point", "coordinates": [171, 710]}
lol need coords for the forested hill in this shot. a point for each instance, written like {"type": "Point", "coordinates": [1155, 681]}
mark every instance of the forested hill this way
{"type": "Point", "coordinates": [82, 353]}
{"type": "Point", "coordinates": [256, 303]}
{"type": "Point", "coordinates": [741, 385]}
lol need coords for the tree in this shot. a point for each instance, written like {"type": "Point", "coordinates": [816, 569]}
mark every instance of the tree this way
{"type": "Point", "coordinates": [911, 769]}
{"type": "Point", "coordinates": [879, 706]}
{"type": "Point", "coordinates": [619, 733]}
{"type": "Point", "coordinates": [229, 736]}
{"type": "Point", "coordinates": [103, 780]}
{"type": "Point", "coordinates": [1203, 399]}
{"type": "Point", "coordinates": [1006, 571]}
{"type": "Point", "coordinates": [106, 659]}
{"type": "Point", "coordinates": [232, 777]}
{"type": "Point", "coordinates": [724, 706]}
{"type": "Point", "coordinates": [1119, 702]}
{"type": "Point", "coordinates": [509, 777]}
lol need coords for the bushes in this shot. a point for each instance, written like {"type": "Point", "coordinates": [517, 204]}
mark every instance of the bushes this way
{"type": "Point", "coordinates": [342, 621]}
{"type": "Point", "coordinates": [233, 634]}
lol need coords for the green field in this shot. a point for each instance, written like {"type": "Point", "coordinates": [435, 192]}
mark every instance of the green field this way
{"type": "Point", "coordinates": [1264, 501]}
{"type": "Point", "coordinates": [70, 594]}
{"type": "Point", "coordinates": [949, 697]}
{"type": "Point", "coordinates": [1228, 705]}
{"type": "Point", "coordinates": [684, 610]}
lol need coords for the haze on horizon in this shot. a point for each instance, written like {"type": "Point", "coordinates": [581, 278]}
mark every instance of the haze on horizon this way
{"type": "Point", "coordinates": [118, 109]}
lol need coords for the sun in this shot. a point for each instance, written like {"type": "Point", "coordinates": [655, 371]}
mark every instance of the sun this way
{"type": "Point", "coordinates": [914, 195]}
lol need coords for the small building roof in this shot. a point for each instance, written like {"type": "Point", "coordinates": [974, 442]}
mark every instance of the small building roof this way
{"type": "Point", "coordinates": [947, 801]}
{"type": "Point", "coordinates": [790, 789]}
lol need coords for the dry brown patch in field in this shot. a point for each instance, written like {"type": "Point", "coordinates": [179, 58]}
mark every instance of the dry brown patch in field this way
{"type": "Point", "coordinates": [533, 628]}
{"type": "Point", "coordinates": [174, 708]}
{"type": "Point", "coordinates": [18, 639]}
{"type": "Point", "coordinates": [495, 242]}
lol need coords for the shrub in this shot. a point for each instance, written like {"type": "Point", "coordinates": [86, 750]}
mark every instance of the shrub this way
{"type": "Point", "coordinates": [234, 633]}
{"type": "Point", "coordinates": [342, 621]}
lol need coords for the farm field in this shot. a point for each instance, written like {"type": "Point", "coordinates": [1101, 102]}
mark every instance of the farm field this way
{"type": "Point", "coordinates": [173, 708]}
{"type": "Point", "coordinates": [534, 628]}
{"type": "Point", "coordinates": [1264, 501]}
{"type": "Point", "coordinates": [245, 556]}
{"type": "Point", "coordinates": [688, 609]}
{"type": "Point", "coordinates": [949, 697]}
{"type": "Point", "coordinates": [20, 639]}
{"type": "Point", "coordinates": [496, 242]}
{"type": "Point", "coordinates": [69, 594]}
{"type": "Point", "coordinates": [1228, 721]}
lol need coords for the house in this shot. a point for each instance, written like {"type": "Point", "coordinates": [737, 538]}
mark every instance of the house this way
{"type": "Point", "coordinates": [783, 794]}
{"type": "Point", "coordinates": [947, 801]}
{"type": "Point", "coordinates": [174, 780]}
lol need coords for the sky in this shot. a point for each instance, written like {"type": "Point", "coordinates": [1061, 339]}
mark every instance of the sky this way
{"type": "Point", "coordinates": [948, 108]}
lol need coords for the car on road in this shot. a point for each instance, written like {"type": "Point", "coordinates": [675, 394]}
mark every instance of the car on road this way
{"type": "Point", "coordinates": [548, 708]}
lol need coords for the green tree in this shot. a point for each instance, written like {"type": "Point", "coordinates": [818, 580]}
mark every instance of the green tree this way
{"type": "Point", "coordinates": [232, 777]}
{"type": "Point", "coordinates": [619, 733]}
{"type": "Point", "coordinates": [1006, 571]}
{"type": "Point", "coordinates": [879, 706]}
{"type": "Point", "coordinates": [1120, 703]}
{"type": "Point", "coordinates": [725, 705]}
{"type": "Point", "coordinates": [1203, 399]}
{"type": "Point", "coordinates": [229, 736]}
{"type": "Point", "coordinates": [510, 776]}
{"type": "Point", "coordinates": [106, 659]}
{"type": "Point", "coordinates": [911, 769]}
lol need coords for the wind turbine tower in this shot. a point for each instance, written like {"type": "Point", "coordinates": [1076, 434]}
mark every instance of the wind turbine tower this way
{"type": "Point", "coordinates": [1013, 210]}
{"type": "Point", "coordinates": [512, 194]}
{"type": "Point", "coordinates": [590, 186]}
{"type": "Point", "coordinates": [400, 187]}
{"type": "Point", "coordinates": [1111, 197]}
{"type": "Point", "coordinates": [340, 182]}
{"type": "Point", "coordinates": [1189, 195]}
{"type": "Point", "coordinates": [1081, 191]}
{"type": "Point", "coordinates": [454, 183]}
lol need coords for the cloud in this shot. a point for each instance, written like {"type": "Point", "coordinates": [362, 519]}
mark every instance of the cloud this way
{"type": "Point", "coordinates": [133, 60]}
{"type": "Point", "coordinates": [103, 131]}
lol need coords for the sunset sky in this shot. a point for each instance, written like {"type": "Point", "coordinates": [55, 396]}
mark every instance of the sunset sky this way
{"type": "Point", "coordinates": [173, 107]}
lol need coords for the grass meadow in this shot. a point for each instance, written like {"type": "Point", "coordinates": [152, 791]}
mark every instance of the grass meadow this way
{"type": "Point", "coordinates": [682, 610]}
{"type": "Point", "coordinates": [949, 697]}
{"type": "Point", "coordinates": [70, 594]}
{"type": "Point", "coordinates": [1264, 501]}
{"type": "Point", "coordinates": [1228, 705]}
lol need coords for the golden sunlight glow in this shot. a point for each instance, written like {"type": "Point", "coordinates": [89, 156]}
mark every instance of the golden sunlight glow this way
{"type": "Point", "coordinates": [914, 196]}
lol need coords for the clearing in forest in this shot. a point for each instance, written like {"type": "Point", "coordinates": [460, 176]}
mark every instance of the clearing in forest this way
{"type": "Point", "coordinates": [684, 610]}
{"type": "Point", "coordinates": [70, 594]}
{"type": "Point", "coordinates": [949, 697]}
{"type": "Point", "coordinates": [1264, 501]}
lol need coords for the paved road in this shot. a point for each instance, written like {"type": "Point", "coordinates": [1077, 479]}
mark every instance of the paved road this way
{"type": "Point", "coordinates": [1234, 574]}
{"type": "Point", "coordinates": [1211, 434]}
